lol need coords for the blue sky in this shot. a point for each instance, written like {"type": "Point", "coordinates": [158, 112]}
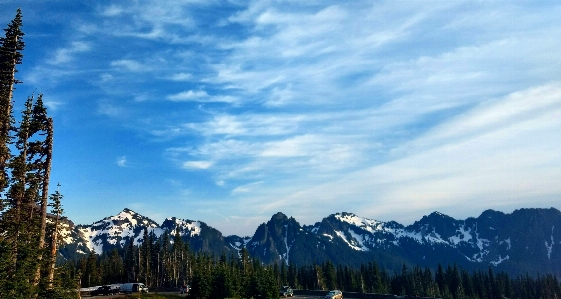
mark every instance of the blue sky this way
{"type": "Point", "coordinates": [230, 111]}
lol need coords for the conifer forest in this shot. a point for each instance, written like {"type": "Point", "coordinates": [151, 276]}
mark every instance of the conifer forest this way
{"type": "Point", "coordinates": [168, 262]}
{"type": "Point", "coordinates": [31, 216]}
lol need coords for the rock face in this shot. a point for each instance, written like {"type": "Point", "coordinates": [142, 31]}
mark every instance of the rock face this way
{"type": "Point", "coordinates": [527, 240]}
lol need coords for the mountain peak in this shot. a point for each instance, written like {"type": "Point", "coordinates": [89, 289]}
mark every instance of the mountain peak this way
{"type": "Point", "coordinates": [129, 211]}
{"type": "Point", "coordinates": [279, 216]}
{"type": "Point", "coordinates": [346, 214]}
{"type": "Point", "coordinates": [437, 216]}
{"type": "Point", "coordinates": [490, 214]}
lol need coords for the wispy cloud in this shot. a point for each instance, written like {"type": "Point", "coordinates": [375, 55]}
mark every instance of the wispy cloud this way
{"type": "Point", "coordinates": [503, 154]}
{"type": "Point", "coordinates": [245, 188]}
{"type": "Point", "coordinates": [388, 109]}
{"type": "Point", "coordinates": [188, 95]}
{"type": "Point", "coordinates": [201, 96]}
{"type": "Point", "coordinates": [112, 11]}
{"type": "Point", "coordinates": [130, 65]}
{"type": "Point", "coordinates": [122, 161]}
{"type": "Point", "coordinates": [197, 164]}
{"type": "Point", "coordinates": [52, 104]}
{"type": "Point", "coordinates": [109, 109]}
{"type": "Point", "coordinates": [65, 55]}
{"type": "Point", "coordinates": [181, 77]}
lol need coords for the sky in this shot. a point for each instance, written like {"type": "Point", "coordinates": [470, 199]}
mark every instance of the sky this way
{"type": "Point", "coordinates": [228, 112]}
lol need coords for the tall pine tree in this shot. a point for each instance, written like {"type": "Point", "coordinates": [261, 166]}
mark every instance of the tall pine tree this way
{"type": "Point", "coordinates": [11, 47]}
{"type": "Point", "coordinates": [25, 163]}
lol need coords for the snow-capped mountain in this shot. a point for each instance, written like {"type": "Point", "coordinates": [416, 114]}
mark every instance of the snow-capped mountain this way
{"type": "Point", "coordinates": [523, 241]}
{"type": "Point", "coordinates": [116, 232]}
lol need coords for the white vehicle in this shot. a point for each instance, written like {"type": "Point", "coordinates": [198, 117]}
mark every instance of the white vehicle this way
{"type": "Point", "coordinates": [133, 287]}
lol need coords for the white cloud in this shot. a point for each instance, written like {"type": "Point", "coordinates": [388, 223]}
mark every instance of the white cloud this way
{"type": "Point", "coordinates": [494, 166]}
{"type": "Point", "coordinates": [245, 188]}
{"type": "Point", "coordinates": [189, 95]}
{"type": "Point", "coordinates": [112, 11]}
{"type": "Point", "coordinates": [65, 55]}
{"type": "Point", "coordinates": [250, 124]}
{"type": "Point", "coordinates": [152, 20]}
{"type": "Point", "coordinates": [386, 108]}
{"type": "Point", "coordinates": [105, 107]}
{"type": "Point", "coordinates": [52, 104]}
{"type": "Point", "coordinates": [122, 161]}
{"type": "Point", "coordinates": [181, 77]}
{"type": "Point", "coordinates": [130, 65]}
{"type": "Point", "coordinates": [197, 164]}
{"type": "Point", "coordinates": [201, 96]}
{"type": "Point", "coordinates": [493, 115]}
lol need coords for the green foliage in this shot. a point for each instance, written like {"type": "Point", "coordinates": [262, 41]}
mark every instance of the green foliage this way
{"type": "Point", "coordinates": [11, 46]}
{"type": "Point", "coordinates": [26, 258]}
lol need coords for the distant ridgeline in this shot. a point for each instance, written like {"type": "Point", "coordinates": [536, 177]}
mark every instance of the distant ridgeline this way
{"type": "Point", "coordinates": [525, 241]}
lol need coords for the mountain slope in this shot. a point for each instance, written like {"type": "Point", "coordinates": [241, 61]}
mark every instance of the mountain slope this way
{"type": "Point", "coordinates": [527, 240]}
{"type": "Point", "coordinates": [115, 232]}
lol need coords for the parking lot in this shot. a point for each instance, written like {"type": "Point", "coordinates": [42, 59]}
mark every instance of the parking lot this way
{"type": "Point", "coordinates": [185, 295]}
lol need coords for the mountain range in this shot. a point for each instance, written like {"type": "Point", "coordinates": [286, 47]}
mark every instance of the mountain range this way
{"type": "Point", "coordinates": [524, 241]}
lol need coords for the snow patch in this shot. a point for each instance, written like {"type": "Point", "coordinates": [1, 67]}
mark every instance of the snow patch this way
{"type": "Point", "coordinates": [548, 246]}
{"type": "Point", "coordinates": [507, 241]}
{"type": "Point", "coordinates": [495, 263]}
{"type": "Point", "coordinates": [342, 236]}
{"type": "Point", "coordinates": [462, 235]}
{"type": "Point", "coordinates": [364, 223]}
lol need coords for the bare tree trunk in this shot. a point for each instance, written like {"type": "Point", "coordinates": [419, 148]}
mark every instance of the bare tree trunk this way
{"type": "Point", "coordinates": [53, 253]}
{"type": "Point", "coordinates": [147, 266]}
{"type": "Point", "coordinates": [139, 276]}
{"type": "Point", "coordinates": [44, 199]}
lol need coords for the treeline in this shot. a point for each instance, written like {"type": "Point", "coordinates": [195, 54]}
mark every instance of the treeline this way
{"type": "Point", "coordinates": [29, 235]}
{"type": "Point", "coordinates": [168, 262]}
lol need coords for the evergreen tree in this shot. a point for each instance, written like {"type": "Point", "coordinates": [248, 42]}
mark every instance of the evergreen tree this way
{"type": "Point", "coordinates": [39, 159]}
{"type": "Point", "coordinates": [377, 285]}
{"type": "Point", "coordinates": [222, 283]}
{"type": "Point", "coordinates": [164, 260]}
{"type": "Point", "coordinates": [130, 262]}
{"type": "Point", "coordinates": [116, 268]}
{"type": "Point", "coordinates": [201, 284]}
{"type": "Point", "coordinates": [11, 46]}
{"type": "Point", "coordinates": [454, 282]}
{"type": "Point", "coordinates": [20, 223]}
{"type": "Point", "coordinates": [329, 275]}
{"type": "Point", "coordinates": [283, 274]}
{"type": "Point", "coordinates": [292, 276]}
{"type": "Point", "coordinates": [440, 278]}
{"type": "Point", "coordinates": [57, 212]}
{"type": "Point", "coordinates": [145, 256]}
{"type": "Point", "coordinates": [467, 284]}
{"type": "Point", "coordinates": [24, 180]}
{"type": "Point", "coordinates": [177, 258]}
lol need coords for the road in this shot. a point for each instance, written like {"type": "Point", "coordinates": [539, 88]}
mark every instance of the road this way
{"type": "Point", "coordinates": [179, 295]}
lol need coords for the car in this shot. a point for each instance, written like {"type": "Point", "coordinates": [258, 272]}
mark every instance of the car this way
{"type": "Point", "coordinates": [335, 294]}
{"type": "Point", "coordinates": [286, 291]}
{"type": "Point", "coordinates": [184, 289]}
{"type": "Point", "coordinates": [102, 290]}
{"type": "Point", "coordinates": [134, 287]}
